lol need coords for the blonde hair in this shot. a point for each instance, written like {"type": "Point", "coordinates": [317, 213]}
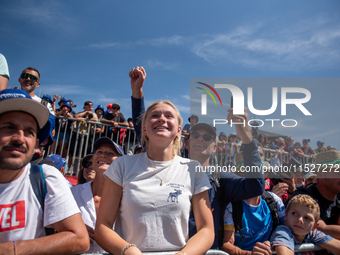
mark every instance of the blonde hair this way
{"type": "Point", "coordinates": [177, 139]}
{"type": "Point", "coordinates": [307, 201]}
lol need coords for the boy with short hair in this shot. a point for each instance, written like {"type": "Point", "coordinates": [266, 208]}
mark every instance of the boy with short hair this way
{"type": "Point", "coordinates": [302, 215]}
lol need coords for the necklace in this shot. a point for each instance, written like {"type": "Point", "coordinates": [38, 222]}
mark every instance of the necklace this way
{"type": "Point", "coordinates": [154, 169]}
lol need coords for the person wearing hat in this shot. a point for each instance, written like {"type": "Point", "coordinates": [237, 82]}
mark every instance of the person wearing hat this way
{"type": "Point", "coordinates": [63, 129]}
{"type": "Point", "coordinates": [326, 191]}
{"type": "Point", "coordinates": [88, 195]}
{"type": "Point", "coordinates": [231, 149]}
{"type": "Point", "coordinates": [22, 124]}
{"type": "Point", "coordinates": [330, 148]}
{"type": "Point", "coordinates": [307, 150]}
{"type": "Point", "coordinates": [86, 173]}
{"type": "Point", "coordinates": [193, 119]}
{"type": "Point", "coordinates": [320, 147]}
{"type": "Point", "coordinates": [222, 141]}
{"type": "Point", "coordinates": [201, 145]}
{"type": "Point", "coordinates": [114, 119]}
{"type": "Point", "coordinates": [99, 128]}
{"type": "Point", "coordinates": [60, 165]}
{"type": "Point", "coordinates": [81, 132]}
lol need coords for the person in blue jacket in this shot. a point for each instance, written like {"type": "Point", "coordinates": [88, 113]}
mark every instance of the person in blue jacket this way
{"type": "Point", "coordinates": [226, 186]}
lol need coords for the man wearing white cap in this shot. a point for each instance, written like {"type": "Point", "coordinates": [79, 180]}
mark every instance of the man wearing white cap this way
{"type": "Point", "coordinates": [24, 215]}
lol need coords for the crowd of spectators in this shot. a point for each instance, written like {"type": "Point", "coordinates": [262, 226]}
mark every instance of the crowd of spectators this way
{"type": "Point", "coordinates": [312, 200]}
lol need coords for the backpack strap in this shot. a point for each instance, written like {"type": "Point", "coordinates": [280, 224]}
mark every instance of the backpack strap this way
{"type": "Point", "coordinates": [272, 207]}
{"type": "Point", "coordinates": [38, 183]}
{"type": "Point", "coordinates": [237, 217]}
{"type": "Point", "coordinates": [221, 202]}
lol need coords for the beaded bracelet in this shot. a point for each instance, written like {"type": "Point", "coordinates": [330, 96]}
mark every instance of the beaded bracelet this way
{"type": "Point", "coordinates": [127, 247]}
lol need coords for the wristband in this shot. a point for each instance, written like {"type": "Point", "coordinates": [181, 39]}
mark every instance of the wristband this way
{"type": "Point", "coordinates": [127, 247]}
{"type": "Point", "coordinates": [15, 248]}
{"type": "Point", "coordinates": [112, 122]}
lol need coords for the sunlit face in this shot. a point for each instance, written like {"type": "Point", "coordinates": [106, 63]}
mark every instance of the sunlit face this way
{"type": "Point", "coordinates": [162, 123]}
{"type": "Point", "coordinates": [88, 107]}
{"type": "Point", "coordinates": [193, 121]}
{"type": "Point", "coordinates": [290, 141]}
{"type": "Point", "coordinates": [27, 84]}
{"type": "Point", "coordinates": [18, 139]}
{"type": "Point", "coordinates": [103, 157]}
{"type": "Point", "coordinates": [88, 172]}
{"type": "Point", "coordinates": [300, 219]}
{"type": "Point", "coordinates": [200, 147]}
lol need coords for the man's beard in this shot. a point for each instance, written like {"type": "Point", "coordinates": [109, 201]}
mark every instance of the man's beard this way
{"type": "Point", "coordinates": [28, 89]}
{"type": "Point", "coordinates": [6, 164]}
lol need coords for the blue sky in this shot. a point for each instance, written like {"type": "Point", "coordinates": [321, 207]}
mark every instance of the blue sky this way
{"type": "Point", "coordinates": [85, 49]}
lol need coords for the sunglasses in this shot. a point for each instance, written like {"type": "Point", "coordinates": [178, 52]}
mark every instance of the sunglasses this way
{"type": "Point", "coordinates": [115, 108]}
{"type": "Point", "coordinates": [290, 140]}
{"type": "Point", "coordinates": [27, 75]}
{"type": "Point", "coordinates": [86, 164]}
{"type": "Point", "coordinates": [206, 137]}
{"type": "Point", "coordinates": [307, 141]}
{"type": "Point", "coordinates": [262, 136]}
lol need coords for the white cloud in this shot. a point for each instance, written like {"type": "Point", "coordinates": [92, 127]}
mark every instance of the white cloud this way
{"type": "Point", "coordinates": [52, 14]}
{"type": "Point", "coordinates": [154, 63]}
{"type": "Point", "coordinates": [62, 90]}
{"type": "Point", "coordinates": [176, 40]}
{"type": "Point", "coordinates": [105, 45]}
{"type": "Point", "coordinates": [309, 49]}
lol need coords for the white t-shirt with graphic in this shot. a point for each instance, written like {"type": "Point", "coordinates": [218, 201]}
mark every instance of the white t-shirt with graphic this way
{"type": "Point", "coordinates": [48, 106]}
{"type": "Point", "coordinates": [21, 216]}
{"type": "Point", "coordinates": [155, 217]}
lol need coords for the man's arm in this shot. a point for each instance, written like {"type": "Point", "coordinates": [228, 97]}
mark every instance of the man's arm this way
{"type": "Point", "coordinates": [228, 244]}
{"type": "Point", "coordinates": [332, 230]}
{"type": "Point", "coordinates": [3, 82]}
{"type": "Point", "coordinates": [237, 188]}
{"type": "Point", "coordinates": [72, 238]}
{"type": "Point", "coordinates": [137, 76]}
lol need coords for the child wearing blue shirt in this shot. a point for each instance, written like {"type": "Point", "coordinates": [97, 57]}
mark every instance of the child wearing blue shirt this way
{"type": "Point", "coordinates": [302, 215]}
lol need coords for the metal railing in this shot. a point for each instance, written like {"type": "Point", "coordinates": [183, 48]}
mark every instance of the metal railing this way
{"type": "Point", "coordinates": [81, 136]}
{"type": "Point", "coordinates": [306, 247]}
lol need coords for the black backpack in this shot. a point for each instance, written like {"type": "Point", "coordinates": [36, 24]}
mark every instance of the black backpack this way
{"type": "Point", "coordinates": [38, 183]}
{"type": "Point", "coordinates": [237, 217]}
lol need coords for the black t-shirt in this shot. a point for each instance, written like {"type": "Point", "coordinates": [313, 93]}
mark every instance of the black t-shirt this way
{"type": "Point", "coordinates": [119, 118]}
{"type": "Point", "coordinates": [329, 210]}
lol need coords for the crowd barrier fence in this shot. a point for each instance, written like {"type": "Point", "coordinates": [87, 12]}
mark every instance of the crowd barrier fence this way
{"type": "Point", "coordinates": [306, 247]}
{"type": "Point", "coordinates": [84, 133]}
{"type": "Point", "coordinates": [79, 139]}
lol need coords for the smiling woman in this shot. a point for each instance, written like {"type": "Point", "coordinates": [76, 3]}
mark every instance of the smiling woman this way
{"type": "Point", "coordinates": [153, 194]}
{"type": "Point", "coordinates": [88, 195]}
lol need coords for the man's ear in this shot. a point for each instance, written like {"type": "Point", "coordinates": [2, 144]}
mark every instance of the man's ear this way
{"type": "Point", "coordinates": [37, 144]}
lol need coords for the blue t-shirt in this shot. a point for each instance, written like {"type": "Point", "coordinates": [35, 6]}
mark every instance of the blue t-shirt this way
{"type": "Point", "coordinates": [257, 222]}
{"type": "Point", "coordinates": [283, 236]}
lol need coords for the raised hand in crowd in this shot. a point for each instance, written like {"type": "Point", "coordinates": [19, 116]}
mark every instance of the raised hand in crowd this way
{"type": "Point", "coordinates": [243, 131]}
{"type": "Point", "coordinates": [137, 76]}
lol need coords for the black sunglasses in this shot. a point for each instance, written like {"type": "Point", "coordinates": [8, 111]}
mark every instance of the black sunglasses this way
{"type": "Point", "coordinates": [27, 75]}
{"type": "Point", "coordinates": [86, 164]}
{"type": "Point", "coordinates": [206, 137]}
{"type": "Point", "coordinates": [115, 108]}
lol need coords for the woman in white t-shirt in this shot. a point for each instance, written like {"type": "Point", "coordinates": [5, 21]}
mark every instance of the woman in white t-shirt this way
{"type": "Point", "coordinates": [149, 195]}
